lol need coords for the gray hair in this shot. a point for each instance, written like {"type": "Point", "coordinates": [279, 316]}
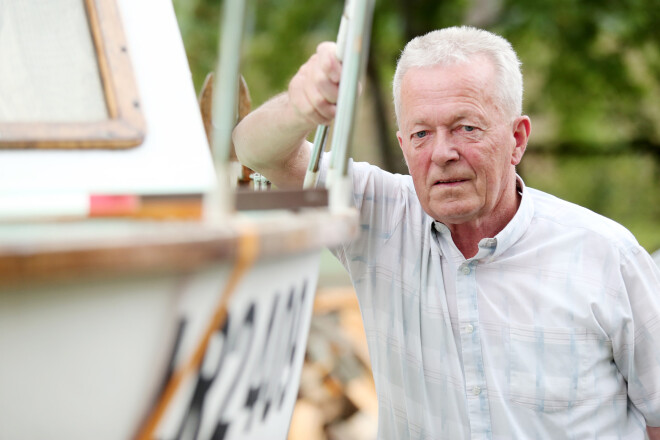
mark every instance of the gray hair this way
{"type": "Point", "coordinates": [460, 44]}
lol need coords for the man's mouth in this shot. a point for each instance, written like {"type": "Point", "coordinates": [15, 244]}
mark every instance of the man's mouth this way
{"type": "Point", "coordinates": [449, 181]}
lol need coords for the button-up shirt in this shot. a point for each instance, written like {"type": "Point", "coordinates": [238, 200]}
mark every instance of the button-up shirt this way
{"type": "Point", "coordinates": [551, 331]}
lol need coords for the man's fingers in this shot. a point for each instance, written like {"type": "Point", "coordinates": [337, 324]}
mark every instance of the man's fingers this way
{"type": "Point", "coordinates": [329, 63]}
{"type": "Point", "coordinates": [323, 107]}
{"type": "Point", "coordinates": [326, 88]}
{"type": "Point", "coordinates": [309, 103]}
{"type": "Point", "coordinates": [314, 89]}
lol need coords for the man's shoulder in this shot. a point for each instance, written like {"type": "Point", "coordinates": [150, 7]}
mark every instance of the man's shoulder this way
{"type": "Point", "coordinates": [570, 217]}
{"type": "Point", "coordinates": [368, 169]}
{"type": "Point", "coordinates": [376, 182]}
{"type": "Point", "coordinates": [386, 201]}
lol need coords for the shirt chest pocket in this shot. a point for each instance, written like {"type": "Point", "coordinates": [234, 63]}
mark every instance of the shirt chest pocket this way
{"type": "Point", "coordinates": [553, 369]}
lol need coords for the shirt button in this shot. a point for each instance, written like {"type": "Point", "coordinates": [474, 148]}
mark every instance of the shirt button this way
{"type": "Point", "coordinates": [476, 391]}
{"type": "Point", "coordinates": [469, 328]}
{"type": "Point", "coordinates": [466, 270]}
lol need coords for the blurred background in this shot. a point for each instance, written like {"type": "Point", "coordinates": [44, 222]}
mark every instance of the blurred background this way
{"type": "Point", "coordinates": [592, 89]}
{"type": "Point", "coordinates": [591, 71]}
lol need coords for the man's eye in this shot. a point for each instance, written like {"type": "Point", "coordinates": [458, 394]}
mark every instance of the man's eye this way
{"type": "Point", "coordinates": [421, 134]}
{"type": "Point", "coordinates": [469, 128]}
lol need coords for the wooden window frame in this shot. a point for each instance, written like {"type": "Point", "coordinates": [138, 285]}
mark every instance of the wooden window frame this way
{"type": "Point", "coordinates": [125, 125]}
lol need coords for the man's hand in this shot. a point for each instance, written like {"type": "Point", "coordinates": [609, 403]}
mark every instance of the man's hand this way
{"type": "Point", "coordinates": [272, 139]}
{"type": "Point", "coordinates": [654, 433]}
{"type": "Point", "coordinates": [314, 89]}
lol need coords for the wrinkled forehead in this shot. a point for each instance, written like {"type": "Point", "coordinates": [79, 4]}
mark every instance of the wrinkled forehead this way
{"type": "Point", "coordinates": [471, 83]}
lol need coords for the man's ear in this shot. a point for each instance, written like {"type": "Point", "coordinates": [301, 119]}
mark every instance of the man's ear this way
{"type": "Point", "coordinates": [522, 127]}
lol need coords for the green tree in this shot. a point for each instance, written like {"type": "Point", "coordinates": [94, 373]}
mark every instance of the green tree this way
{"type": "Point", "coordinates": [592, 82]}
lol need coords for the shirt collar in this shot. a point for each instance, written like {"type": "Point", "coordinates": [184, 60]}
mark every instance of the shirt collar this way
{"type": "Point", "coordinates": [492, 247]}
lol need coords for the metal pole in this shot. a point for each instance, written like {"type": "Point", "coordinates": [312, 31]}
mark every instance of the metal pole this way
{"type": "Point", "coordinates": [311, 177]}
{"type": "Point", "coordinates": [357, 48]}
{"type": "Point", "coordinates": [225, 89]}
{"type": "Point", "coordinates": [225, 104]}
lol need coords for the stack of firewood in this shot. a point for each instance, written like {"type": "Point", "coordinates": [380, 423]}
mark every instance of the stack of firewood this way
{"type": "Point", "coordinates": [337, 399]}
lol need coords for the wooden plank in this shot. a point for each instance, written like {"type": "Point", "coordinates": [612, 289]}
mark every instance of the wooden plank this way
{"type": "Point", "coordinates": [331, 299]}
{"type": "Point", "coordinates": [307, 422]}
{"type": "Point", "coordinates": [294, 199]}
{"type": "Point", "coordinates": [206, 109]}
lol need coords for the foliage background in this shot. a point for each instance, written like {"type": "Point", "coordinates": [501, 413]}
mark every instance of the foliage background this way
{"type": "Point", "coordinates": [592, 84]}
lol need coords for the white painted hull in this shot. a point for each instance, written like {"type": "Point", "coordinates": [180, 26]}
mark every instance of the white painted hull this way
{"type": "Point", "coordinates": [87, 360]}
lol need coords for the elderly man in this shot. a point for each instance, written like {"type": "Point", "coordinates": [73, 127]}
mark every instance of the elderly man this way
{"type": "Point", "coordinates": [492, 310]}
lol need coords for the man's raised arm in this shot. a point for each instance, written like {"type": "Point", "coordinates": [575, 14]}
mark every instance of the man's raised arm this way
{"type": "Point", "coordinates": [272, 139]}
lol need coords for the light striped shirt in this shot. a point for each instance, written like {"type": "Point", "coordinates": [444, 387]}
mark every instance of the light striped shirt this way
{"type": "Point", "coordinates": [551, 331]}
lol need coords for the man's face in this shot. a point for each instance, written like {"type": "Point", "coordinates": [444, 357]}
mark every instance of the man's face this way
{"type": "Point", "coordinates": [460, 149]}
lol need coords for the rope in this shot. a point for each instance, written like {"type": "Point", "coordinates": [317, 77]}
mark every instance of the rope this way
{"type": "Point", "coordinates": [248, 250]}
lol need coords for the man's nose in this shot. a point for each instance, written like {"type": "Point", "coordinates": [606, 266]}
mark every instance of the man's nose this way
{"type": "Point", "coordinates": [444, 150]}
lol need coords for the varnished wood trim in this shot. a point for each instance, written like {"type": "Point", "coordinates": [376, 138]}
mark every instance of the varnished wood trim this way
{"type": "Point", "coordinates": [166, 246]}
{"type": "Point", "coordinates": [101, 57]}
{"type": "Point", "coordinates": [125, 126]}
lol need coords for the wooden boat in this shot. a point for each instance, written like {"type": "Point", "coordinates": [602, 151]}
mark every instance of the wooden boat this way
{"type": "Point", "coordinates": [124, 311]}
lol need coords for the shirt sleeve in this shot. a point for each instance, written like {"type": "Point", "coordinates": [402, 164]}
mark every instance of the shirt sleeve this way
{"type": "Point", "coordinates": [639, 360]}
{"type": "Point", "coordinates": [381, 199]}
